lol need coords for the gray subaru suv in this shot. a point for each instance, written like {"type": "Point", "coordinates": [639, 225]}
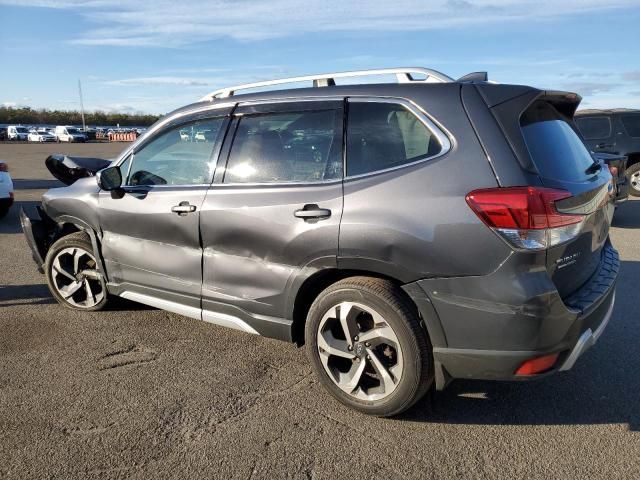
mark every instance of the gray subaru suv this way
{"type": "Point", "coordinates": [408, 233]}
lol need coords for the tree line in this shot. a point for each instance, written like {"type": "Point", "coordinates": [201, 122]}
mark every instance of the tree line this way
{"type": "Point", "coordinates": [28, 116]}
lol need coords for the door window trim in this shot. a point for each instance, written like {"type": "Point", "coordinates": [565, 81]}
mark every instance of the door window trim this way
{"type": "Point", "coordinates": [147, 136]}
{"type": "Point", "coordinates": [624, 126]}
{"type": "Point", "coordinates": [444, 137]}
{"type": "Point", "coordinates": [586, 117]}
{"type": "Point", "coordinates": [214, 157]}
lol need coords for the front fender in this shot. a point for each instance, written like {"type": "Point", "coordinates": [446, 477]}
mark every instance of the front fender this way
{"type": "Point", "coordinates": [41, 231]}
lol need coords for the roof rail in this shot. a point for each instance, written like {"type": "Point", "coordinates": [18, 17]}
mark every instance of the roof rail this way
{"type": "Point", "coordinates": [403, 75]}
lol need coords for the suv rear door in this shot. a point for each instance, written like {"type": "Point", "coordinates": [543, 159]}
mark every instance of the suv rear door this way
{"type": "Point", "coordinates": [272, 216]}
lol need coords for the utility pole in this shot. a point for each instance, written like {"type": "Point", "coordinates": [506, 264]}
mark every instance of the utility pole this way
{"type": "Point", "coordinates": [84, 126]}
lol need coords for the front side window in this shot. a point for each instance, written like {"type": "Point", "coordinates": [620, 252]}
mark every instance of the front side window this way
{"type": "Point", "coordinates": [631, 124]}
{"type": "Point", "coordinates": [385, 135]}
{"type": "Point", "coordinates": [287, 147]}
{"type": "Point", "coordinates": [181, 155]}
{"type": "Point", "coordinates": [593, 128]}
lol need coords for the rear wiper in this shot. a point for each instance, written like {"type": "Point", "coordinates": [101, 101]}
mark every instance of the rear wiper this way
{"type": "Point", "coordinates": [594, 167]}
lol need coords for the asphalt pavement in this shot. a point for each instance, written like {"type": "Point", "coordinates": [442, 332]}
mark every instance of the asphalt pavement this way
{"type": "Point", "coordinates": [135, 392]}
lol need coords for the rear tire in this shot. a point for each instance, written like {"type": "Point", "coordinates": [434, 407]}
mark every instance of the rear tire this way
{"type": "Point", "coordinates": [72, 274]}
{"type": "Point", "coordinates": [367, 346]}
{"type": "Point", "coordinates": [633, 177]}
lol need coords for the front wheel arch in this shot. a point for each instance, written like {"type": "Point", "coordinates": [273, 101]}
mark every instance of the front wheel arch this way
{"type": "Point", "coordinates": [66, 225]}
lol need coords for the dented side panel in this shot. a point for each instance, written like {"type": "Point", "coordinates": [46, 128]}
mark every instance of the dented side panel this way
{"type": "Point", "coordinates": [145, 244]}
{"type": "Point", "coordinates": [254, 246]}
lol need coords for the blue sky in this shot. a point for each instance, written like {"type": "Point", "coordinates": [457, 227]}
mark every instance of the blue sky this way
{"type": "Point", "coordinates": [153, 56]}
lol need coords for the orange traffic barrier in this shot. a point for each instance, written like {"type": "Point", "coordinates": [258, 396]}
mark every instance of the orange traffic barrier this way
{"type": "Point", "coordinates": [122, 137]}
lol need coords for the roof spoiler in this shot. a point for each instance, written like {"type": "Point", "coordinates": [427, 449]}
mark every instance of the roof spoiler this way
{"type": "Point", "coordinates": [474, 77]}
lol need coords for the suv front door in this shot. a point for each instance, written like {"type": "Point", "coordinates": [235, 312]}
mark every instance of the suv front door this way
{"type": "Point", "coordinates": [272, 216]}
{"type": "Point", "coordinates": [151, 241]}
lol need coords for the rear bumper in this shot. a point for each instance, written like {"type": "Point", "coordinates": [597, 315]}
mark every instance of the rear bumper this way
{"type": "Point", "coordinates": [486, 327]}
{"type": "Point", "coordinates": [588, 339]}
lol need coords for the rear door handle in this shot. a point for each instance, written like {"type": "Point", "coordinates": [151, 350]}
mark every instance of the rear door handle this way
{"type": "Point", "coordinates": [312, 212]}
{"type": "Point", "coordinates": [183, 208]}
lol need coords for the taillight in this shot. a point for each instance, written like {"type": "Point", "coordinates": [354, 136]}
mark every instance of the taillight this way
{"type": "Point", "coordinates": [526, 217]}
{"type": "Point", "coordinates": [4, 167]}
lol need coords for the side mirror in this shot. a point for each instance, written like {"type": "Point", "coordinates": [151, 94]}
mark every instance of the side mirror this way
{"type": "Point", "coordinates": [110, 178]}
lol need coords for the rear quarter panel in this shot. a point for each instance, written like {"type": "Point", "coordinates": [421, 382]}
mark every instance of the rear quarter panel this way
{"type": "Point", "coordinates": [414, 222]}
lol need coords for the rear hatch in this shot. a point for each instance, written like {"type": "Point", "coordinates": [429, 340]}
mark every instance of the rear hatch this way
{"type": "Point", "coordinates": [563, 162]}
{"type": "Point", "coordinates": [569, 194]}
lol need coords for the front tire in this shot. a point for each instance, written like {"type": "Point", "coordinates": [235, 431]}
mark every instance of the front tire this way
{"type": "Point", "coordinates": [72, 274]}
{"type": "Point", "coordinates": [367, 346]}
{"type": "Point", "coordinates": [633, 177]}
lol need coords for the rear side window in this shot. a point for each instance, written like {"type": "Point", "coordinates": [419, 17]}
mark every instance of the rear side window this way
{"type": "Point", "coordinates": [287, 147]}
{"type": "Point", "coordinates": [631, 124]}
{"type": "Point", "coordinates": [555, 148]}
{"type": "Point", "coordinates": [594, 128]}
{"type": "Point", "coordinates": [385, 135]}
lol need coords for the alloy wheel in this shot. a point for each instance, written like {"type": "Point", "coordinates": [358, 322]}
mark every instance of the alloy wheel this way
{"type": "Point", "coordinates": [76, 278]}
{"type": "Point", "coordinates": [635, 180]}
{"type": "Point", "coordinates": [360, 351]}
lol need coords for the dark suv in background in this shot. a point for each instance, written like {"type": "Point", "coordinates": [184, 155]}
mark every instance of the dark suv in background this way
{"type": "Point", "coordinates": [408, 233]}
{"type": "Point", "coordinates": [614, 131]}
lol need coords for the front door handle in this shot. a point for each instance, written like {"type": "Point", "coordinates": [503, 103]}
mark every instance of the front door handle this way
{"type": "Point", "coordinates": [312, 212]}
{"type": "Point", "coordinates": [183, 208]}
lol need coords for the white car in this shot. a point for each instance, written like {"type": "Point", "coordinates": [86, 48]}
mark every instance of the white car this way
{"type": "Point", "coordinates": [67, 133]}
{"type": "Point", "coordinates": [6, 189]}
{"type": "Point", "coordinates": [15, 132]}
{"type": "Point", "coordinates": [41, 137]}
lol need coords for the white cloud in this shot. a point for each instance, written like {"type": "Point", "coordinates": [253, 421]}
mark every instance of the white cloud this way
{"type": "Point", "coordinates": [150, 81]}
{"type": "Point", "coordinates": [611, 101]}
{"type": "Point", "coordinates": [632, 76]}
{"type": "Point", "coordinates": [166, 23]}
{"type": "Point", "coordinates": [590, 88]}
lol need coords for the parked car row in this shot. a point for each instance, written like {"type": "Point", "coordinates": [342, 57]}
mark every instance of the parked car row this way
{"type": "Point", "coordinates": [60, 133]}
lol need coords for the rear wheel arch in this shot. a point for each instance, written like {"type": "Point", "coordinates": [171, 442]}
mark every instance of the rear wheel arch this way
{"type": "Point", "coordinates": [633, 158]}
{"type": "Point", "coordinates": [321, 280]}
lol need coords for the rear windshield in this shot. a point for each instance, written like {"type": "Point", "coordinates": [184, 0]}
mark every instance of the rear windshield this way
{"type": "Point", "coordinates": [555, 148]}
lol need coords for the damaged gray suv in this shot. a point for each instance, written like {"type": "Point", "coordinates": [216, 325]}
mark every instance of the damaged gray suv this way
{"type": "Point", "coordinates": [408, 233]}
